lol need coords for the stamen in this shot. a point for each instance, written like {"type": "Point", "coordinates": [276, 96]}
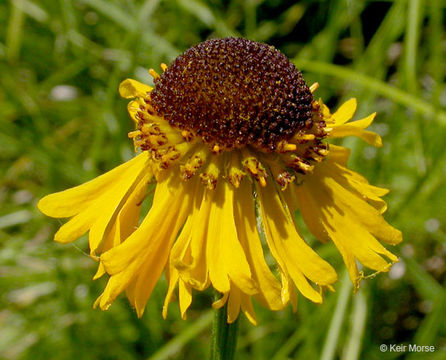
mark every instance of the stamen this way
{"type": "Point", "coordinates": [306, 168]}
{"type": "Point", "coordinates": [301, 138]}
{"type": "Point", "coordinates": [235, 174]}
{"type": "Point", "coordinates": [314, 87]}
{"type": "Point", "coordinates": [133, 134]}
{"type": "Point", "coordinates": [154, 74]}
{"type": "Point", "coordinates": [298, 164]}
{"type": "Point", "coordinates": [193, 164]}
{"type": "Point", "coordinates": [284, 146]}
{"type": "Point", "coordinates": [216, 149]}
{"type": "Point", "coordinates": [284, 179]}
{"type": "Point", "coordinates": [163, 67]}
{"type": "Point", "coordinates": [322, 152]}
{"type": "Point", "coordinates": [282, 176]}
{"type": "Point", "coordinates": [210, 176]}
{"type": "Point", "coordinates": [172, 155]}
{"type": "Point", "coordinates": [312, 154]}
{"type": "Point", "coordinates": [187, 135]}
{"type": "Point", "coordinates": [256, 169]}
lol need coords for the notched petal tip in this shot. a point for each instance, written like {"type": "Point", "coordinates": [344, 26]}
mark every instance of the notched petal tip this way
{"type": "Point", "coordinates": [130, 88]}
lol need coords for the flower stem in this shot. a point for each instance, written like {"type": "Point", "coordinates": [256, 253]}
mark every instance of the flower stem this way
{"type": "Point", "coordinates": [224, 336]}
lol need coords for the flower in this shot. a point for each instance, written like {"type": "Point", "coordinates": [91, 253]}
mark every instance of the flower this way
{"type": "Point", "coordinates": [237, 144]}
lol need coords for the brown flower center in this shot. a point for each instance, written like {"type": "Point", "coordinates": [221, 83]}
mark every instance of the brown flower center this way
{"type": "Point", "coordinates": [234, 92]}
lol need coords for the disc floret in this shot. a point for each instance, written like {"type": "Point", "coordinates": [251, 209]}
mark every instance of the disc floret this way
{"type": "Point", "coordinates": [231, 108]}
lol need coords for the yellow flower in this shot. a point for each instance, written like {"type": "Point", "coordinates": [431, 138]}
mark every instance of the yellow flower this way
{"type": "Point", "coordinates": [237, 145]}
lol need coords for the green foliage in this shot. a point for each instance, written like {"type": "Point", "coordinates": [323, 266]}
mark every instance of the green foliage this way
{"type": "Point", "coordinates": [62, 123]}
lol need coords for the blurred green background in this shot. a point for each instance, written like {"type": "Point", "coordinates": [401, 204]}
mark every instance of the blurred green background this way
{"type": "Point", "coordinates": [62, 123]}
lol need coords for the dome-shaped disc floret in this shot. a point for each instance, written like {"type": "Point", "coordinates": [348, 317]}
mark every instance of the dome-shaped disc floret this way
{"type": "Point", "coordinates": [234, 92]}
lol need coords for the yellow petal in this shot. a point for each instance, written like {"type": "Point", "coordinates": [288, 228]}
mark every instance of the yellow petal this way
{"type": "Point", "coordinates": [76, 227]}
{"type": "Point", "coordinates": [234, 303]}
{"type": "Point", "coordinates": [345, 112]}
{"type": "Point", "coordinates": [221, 302]}
{"type": "Point", "coordinates": [126, 222]}
{"type": "Point", "coordinates": [358, 184]}
{"type": "Point", "coordinates": [287, 238]}
{"type": "Point", "coordinates": [73, 201]}
{"type": "Point", "coordinates": [113, 202]}
{"type": "Point", "coordinates": [248, 309]}
{"type": "Point", "coordinates": [130, 88]}
{"type": "Point", "coordinates": [363, 213]}
{"type": "Point", "coordinates": [339, 154]}
{"type": "Point", "coordinates": [269, 288]}
{"type": "Point", "coordinates": [101, 214]}
{"type": "Point", "coordinates": [298, 258]}
{"type": "Point", "coordinates": [172, 279]}
{"type": "Point", "coordinates": [309, 209]}
{"type": "Point", "coordinates": [115, 285]}
{"type": "Point", "coordinates": [185, 297]}
{"type": "Point", "coordinates": [225, 255]}
{"type": "Point", "coordinates": [188, 254]}
{"type": "Point", "coordinates": [133, 108]}
{"type": "Point", "coordinates": [143, 255]}
{"type": "Point", "coordinates": [363, 123]}
{"type": "Point", "coordinates": [293, 298]}
{"type": "Point", "coordinates": [99, 272]}
{"type": "Point", "coordinates": [350, 130]}
{"type": "Point", "coordinates": [350, 223]}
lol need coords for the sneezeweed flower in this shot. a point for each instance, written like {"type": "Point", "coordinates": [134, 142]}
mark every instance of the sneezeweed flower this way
{"type": "Point", "coordinates": [236, 144]}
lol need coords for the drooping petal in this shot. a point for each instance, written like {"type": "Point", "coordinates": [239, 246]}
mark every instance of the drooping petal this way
{"type": "Point", "coordinates": [100, 216]}
{"type": "Point", "coordinates": [236, 300]}
{"type": "Point", "coordinates": [269, 287]}
{"type": "Point", "coordinates": [185, 297]}
{"type": "Point", "coordinates": [225, 256]}
{"type": "Point", "coordinates": [116, 201]}
{"type": "Point", "coordinates": [172, 280]}
{"type": "Point", "coordinates": [248, 309]}
{"type": "Point", "coordinates": [349, 221]}
{"type": "Point", "coordinates": [286, 243]}
{"type": "Point", "coordinates": [234, 303]}
{"type": "Point", "coordinates": [143, 256]}
{"type": "Point", "coordinates": [339, 154]}
{"type": "Point", "coordinates": [309, 210]}
{"type": "Point", "coordinates": [359, 185]}
{"type": "Point", "coordinates": [126, 222]}
{"type": "Point", "coordinates": [133, 108]}
{"type": "Point", "coordinates": [179, 252]}
{"type": "Point", "coordinates": [70, 202]}
{"type": "Point", "coordinates": [363, 213]}
{"type": "Point", "coordinates": [192, 264]}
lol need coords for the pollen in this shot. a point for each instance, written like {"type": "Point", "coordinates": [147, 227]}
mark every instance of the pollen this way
{"type": "Point", "coordinates": [233, 93]}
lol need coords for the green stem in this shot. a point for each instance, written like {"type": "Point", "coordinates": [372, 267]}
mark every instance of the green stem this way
{"type": "Point", "coordinates": [224, 336]}
{"type": "Point", "coordinates": [334, 329]}
{"type": "Point", "coordinates": [175, 345]}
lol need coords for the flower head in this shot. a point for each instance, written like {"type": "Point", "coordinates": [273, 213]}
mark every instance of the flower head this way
{"type": "Point", "coordinates": [236, 144]}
